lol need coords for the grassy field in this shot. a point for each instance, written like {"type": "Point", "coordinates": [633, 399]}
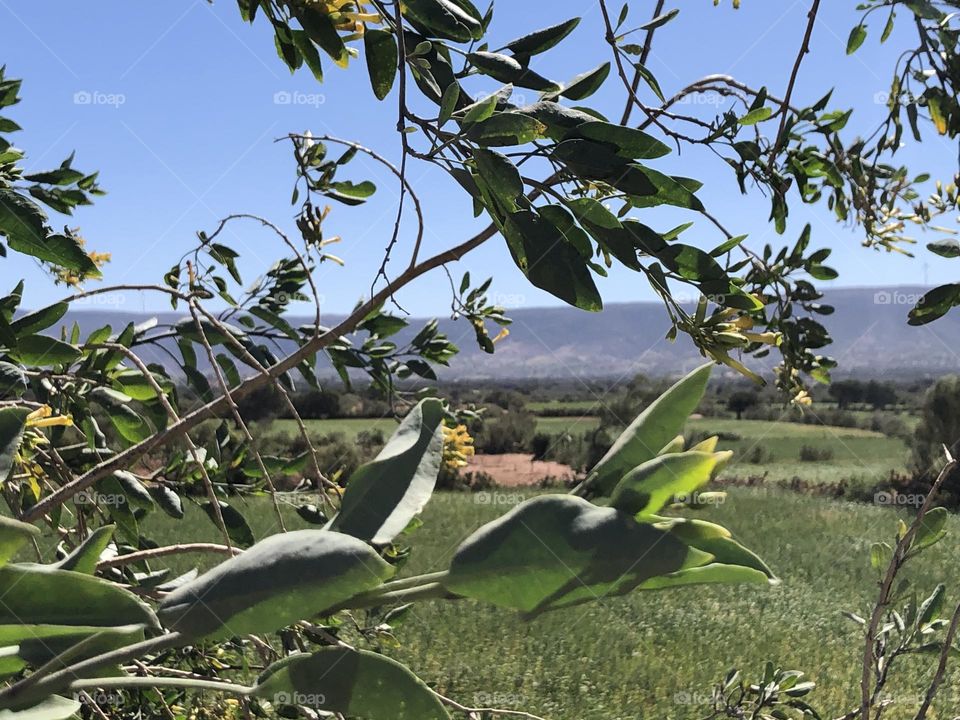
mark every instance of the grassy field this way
{"type": "Point", "coordinates": [652, 655]}
{"type": "Point", "coordinates": [762, 448]}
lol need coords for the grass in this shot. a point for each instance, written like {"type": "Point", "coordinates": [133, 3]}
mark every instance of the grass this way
{"type": "Point", "coordinates": [651, 655]}
{"type": "Point", "coordinates": [855, 455]}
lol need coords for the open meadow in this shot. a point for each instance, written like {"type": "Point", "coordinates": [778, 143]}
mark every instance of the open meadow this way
{"type": "Point", "coordinates": [649, 655]}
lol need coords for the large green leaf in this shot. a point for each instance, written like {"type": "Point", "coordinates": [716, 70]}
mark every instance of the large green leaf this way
{"type": "Point", "coordinates": [385, 494]}
{"type": "Point", "coordinates": [357, 683]}
{"type": "Point", "coordinates": [653, 429]}
{"type": "Point", "coordinates": [13, 535]}
{"type": "Point", "coordinates": [501, 177]}
{"type": "Point", "coordinates": [35, 651]}
{"type": "Point", "coordinates": [280, 580]}
{"type": "Point", "coordinates": [52, 708]}
{"type": "Point", "coordinates": [43, 595]}
{"type": "Point", "coordinates": [505, 129]}
{"type": "Point", "coordinates": [445, 18]}
{"type": "Point", "coordinates": [630, 143]}
{"type": "Point", "coordinates": [25, 226]}
{"type": "Point", "coordinates": [45, 351]}
{"type": "Point", "coordinates": [648, 487]}
{"type": "Point", "coordinates": [557, 550]}
{"type": "Point", "coordinates": [381, 50]}
{"type": "Point", "coordinates": [39, 320]}
{"type": "Point", "coordinates": [549, 261]}
{"type": "Point", "coordinates": [12, 424]}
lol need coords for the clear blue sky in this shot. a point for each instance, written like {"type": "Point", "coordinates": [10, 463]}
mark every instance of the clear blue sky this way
{"type": "Point", "coordinates": [182, 118]}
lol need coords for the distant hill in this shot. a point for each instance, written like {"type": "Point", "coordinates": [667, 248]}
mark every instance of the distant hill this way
{"type": "Point", "coordinates": [871, 338]}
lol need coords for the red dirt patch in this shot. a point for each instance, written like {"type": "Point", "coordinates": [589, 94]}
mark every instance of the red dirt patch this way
{"type": "Point", "coordinates": [517, 469]}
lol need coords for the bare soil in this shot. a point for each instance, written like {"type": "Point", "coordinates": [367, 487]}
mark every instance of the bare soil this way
{"type": "Point", "coordinates": [517, 469]}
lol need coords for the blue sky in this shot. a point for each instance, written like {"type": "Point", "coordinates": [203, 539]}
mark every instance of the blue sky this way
{"type": "Point", "coordinates": [178, 104]}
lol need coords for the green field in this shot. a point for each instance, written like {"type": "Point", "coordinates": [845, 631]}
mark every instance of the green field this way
{"type": "Point", "coordinates": [857, 456]}
{"type": "Point", "coordinates": [652, 655]}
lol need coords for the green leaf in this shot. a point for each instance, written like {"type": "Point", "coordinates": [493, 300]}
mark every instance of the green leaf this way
{"type": "Point", "coordinates": [448, 103]}
{"type": "Point", "coordinates": [935, 304]}
{"type": "Point", "coordinates": [320, 28]}
{"type": "Point", "coordinates": [630, 143]}
{"type": "Point", "coordinates": [380, 47]}
{"type": "Point", "coordinates": [755, 116]}
{"type": "Point", "coordinates": [712, 574]}
{"type": "Point", "coordinates": [662, 421]}
{"type": "Point", "coordinates": [504, 129]}
{"type": "Point", "coordinates": [40, 320]}
{"type": "Point", "coordinates": [501, 176]}
{"type": "Point", "coordinates": [945, 248]}
{"type": "Point", "coordinates": [715, 540]}
{"type": "Point", "coordinates": [281, 580]}
{"type": "Point", "coordinates": [351, 193]}
{"type": "Point", "coordinates": [44, 595]}
{"type": "Point", "coordinates": [542, 40]}
{"type": "Point", "coordinates": [44, 351]}
{"type": "Point", "coordinates": [586, 84]}
{"type": "Point", "coordinates": [24, 224]}
{"type": "Point", "coordinates": [51, 708]}
{"type": "Point", "coordinates": [857, 36]}
{"type": "Point", "coordinates": [86, 555]}
{"type": "Point", "coordinates": [167, 500]}
{"type": "Point", "coordinates": [660, 20]}
{"type": "Point", "coordinates": [237, 527]}
{"type": "Point", "coordinates": [549, 261]}
{"type": "Point", "coordinates": [648, 487]}
{"type": "Point", "coordinates": [13, 535]}
{"type": "Point", "coordinates": [357, 683]}
{"type": "Point", "coordinates": [385, 494]}
{"type": "Point", "coordinates": [303, 43]}
{"type": "Point", "coordinates": [13, 381]}
{"type": "Point", "coordinates": [12, 424]}
{"type": "Point", "coordinates": [555, 551]}
{"type": "Point", "coordinates": [932, 529]}
{"type": "Point", "coordinates": [446, 19]}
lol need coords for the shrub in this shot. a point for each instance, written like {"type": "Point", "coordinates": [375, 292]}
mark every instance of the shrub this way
{"type": "Point", "coordinates": [809, 453]}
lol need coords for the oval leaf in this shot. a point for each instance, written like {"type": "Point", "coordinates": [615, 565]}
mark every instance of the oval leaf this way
{"type": "Point", "coordinates": [357, 683]}
{"type": "Point", "coordinates": [279, 581]}
{"type": "Point", "coordinates": [384, 495]}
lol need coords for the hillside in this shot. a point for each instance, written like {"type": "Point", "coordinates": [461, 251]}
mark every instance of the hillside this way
{"type": "Point", "coordinates": [871, 338]}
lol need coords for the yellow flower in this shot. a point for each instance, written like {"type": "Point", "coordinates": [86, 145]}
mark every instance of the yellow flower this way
{"type": "Point", "coordinates": [501, 335]}
{"type": "Point", "coordinates": [43, 417]}
{"type": "Point", "coordinates": [457, 446]}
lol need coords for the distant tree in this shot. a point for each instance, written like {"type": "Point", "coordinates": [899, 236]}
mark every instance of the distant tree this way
{"type": "Point", "coordinates": [317, 404]}
{"type": "Point", "coordinates": [847, 392]}
{"type": "Point", "coordinates": [740, 401]}
{"type": "Point", "coordinates": [879, 395]}
{"type": "Point", "coordinates": [939, 425]}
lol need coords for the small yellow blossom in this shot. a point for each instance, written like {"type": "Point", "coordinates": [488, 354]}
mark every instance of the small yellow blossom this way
{"type": "Point", "coordinates": [501, 335]}
{"type": "Point", "coordinates": [457, 446]}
